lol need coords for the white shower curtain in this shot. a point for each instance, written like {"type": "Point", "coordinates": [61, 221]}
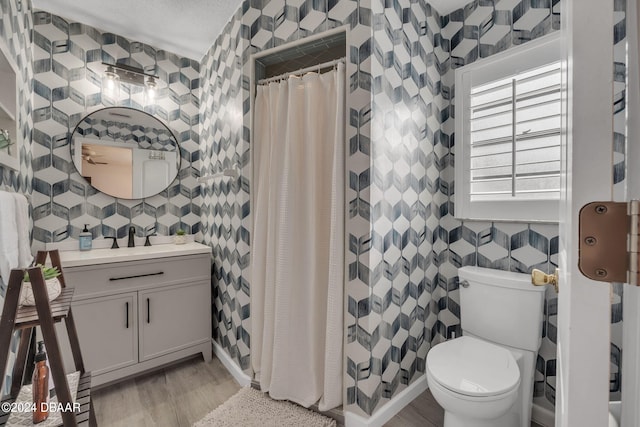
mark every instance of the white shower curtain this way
{"type": "Point", "coordinates": [298, 239]}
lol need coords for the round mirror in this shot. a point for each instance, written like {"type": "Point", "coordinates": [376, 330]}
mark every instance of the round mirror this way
{"type": "Point", "coordinates": [125, 153]}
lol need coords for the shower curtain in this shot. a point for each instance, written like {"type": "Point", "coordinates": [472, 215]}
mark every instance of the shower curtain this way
{"type": "Point", "coordinates": [298, 239]}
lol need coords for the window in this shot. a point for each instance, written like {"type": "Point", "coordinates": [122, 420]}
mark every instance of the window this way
{"type": "Point", "coordinates": [508, 129]}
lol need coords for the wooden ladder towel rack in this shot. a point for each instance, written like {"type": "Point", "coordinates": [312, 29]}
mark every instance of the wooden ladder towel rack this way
{"type": "Point", "coordinates": [45, 314]}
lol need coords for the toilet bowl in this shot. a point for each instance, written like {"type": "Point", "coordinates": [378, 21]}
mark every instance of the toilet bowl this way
{"type": "Point", "coordinates": [485, 377]}
{"type": "Point", "coordinates": [475, 382]}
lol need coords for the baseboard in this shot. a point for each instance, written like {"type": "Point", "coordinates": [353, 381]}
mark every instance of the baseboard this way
{"type": "Point", "coordinates": [542, 415]}
{"type": "Point", "coordinates": [238, 374]}
{"type": "Point", "coordinates": [390, 409]}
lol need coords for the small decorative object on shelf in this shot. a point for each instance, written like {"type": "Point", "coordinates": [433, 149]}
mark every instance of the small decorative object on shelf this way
{"type": "Point", "coordinates": [180, 238]}
{"type": "Point", "coordinates": [5, 139]}
{"type": "Point", "coordinates": [51, 280]}
{"type": "Point", "coordinates": [40, 386]}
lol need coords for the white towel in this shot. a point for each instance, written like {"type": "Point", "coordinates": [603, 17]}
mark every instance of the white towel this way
{"type": "Point", "coordinates": [8, 235]}
{"type": "Point", "coordinates": [22, 221]}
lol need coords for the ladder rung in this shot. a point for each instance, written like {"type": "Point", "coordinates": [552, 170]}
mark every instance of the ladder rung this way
{"type": "Point", "coordinates": [28, 316]}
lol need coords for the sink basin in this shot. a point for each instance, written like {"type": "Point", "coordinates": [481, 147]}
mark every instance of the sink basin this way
{"type": "Point", "coordinates": [76, 258]}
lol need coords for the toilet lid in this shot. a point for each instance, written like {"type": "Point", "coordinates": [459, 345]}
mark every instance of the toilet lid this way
{"type": "Point", "coordinates": [472, 367]}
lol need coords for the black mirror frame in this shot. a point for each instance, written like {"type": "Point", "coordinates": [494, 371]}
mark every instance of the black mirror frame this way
{"type": "Point", "coordinates": [175, 139]}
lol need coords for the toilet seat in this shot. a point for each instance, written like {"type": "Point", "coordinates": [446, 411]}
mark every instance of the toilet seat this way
{"type": "Point", "coordinates": [470, 367]}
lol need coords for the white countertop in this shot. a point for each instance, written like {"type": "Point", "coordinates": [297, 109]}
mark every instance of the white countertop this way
{"type": "Point", "coordinates": [76, 258]}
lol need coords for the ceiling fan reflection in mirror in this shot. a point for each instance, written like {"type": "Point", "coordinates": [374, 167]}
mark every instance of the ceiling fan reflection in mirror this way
{"type": "Point", "coordinates": [89, 156]}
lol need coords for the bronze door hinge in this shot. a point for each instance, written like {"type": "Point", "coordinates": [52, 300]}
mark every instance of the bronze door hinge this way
{"type": "Point", "coordinates": [608, 248]}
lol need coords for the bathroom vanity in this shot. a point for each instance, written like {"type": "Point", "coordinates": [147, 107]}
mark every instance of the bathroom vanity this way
{"type": "Point", "coordinates": [136, 309]}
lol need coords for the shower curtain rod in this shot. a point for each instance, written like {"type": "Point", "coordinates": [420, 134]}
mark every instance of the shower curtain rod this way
{"type": "Point", "coordinates": [303, 70]}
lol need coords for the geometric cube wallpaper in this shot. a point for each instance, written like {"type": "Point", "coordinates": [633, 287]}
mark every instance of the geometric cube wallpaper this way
{"type": "Point", "coordinates": [67, 81]}
{"type": "Point", "coordinates": [404, 245]}
{"type": "Point", "coordinates": [225, 210]}
{"type": "Point", "coordinates": [478, 31]}
{"type": "Point", "coordinates": [15, 29]}
{"type": "Point", "coordinates": [225, 142]}
{"type": "Point", "coordinates": [619, 177]}
{"type": "Point", "coordinates": [145, 138]}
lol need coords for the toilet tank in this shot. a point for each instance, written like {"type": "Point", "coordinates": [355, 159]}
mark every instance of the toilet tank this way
{"type": "Point", "coordinates": [502, 307]}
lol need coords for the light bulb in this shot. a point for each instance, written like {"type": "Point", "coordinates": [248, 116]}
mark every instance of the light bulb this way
{"type": "Point", "coordinates": [150, 91]}
{"type": "Point", "coordinates": [111, 84]}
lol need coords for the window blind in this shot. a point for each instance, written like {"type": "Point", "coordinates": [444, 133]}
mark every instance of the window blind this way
{"type": "Point", "coordinates": [515, 127]}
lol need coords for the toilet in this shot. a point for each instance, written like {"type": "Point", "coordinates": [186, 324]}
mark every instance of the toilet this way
{"type": "Point", "coordinates": [485, 377]}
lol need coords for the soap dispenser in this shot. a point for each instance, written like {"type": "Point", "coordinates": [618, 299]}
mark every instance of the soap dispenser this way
{"type": "Point", "coordinates": [85, 239]}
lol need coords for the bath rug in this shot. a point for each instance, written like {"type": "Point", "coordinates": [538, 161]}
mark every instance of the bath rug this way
{"type": "Point", "coordinates": [252, 408]}
{"type": "Point", "coordinates": [25, 417]}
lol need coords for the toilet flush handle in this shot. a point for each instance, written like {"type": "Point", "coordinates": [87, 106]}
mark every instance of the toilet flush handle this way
{"type": "Point", "coordinates": [464, 284]}
{"type": "Point", "coordinates": [540, 278]}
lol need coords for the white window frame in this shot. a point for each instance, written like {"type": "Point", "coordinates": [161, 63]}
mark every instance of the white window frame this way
{"type": "Point", "coordinates": [530, 55]}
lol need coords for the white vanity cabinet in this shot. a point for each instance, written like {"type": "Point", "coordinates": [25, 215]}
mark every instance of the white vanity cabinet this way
{"type": "Point", "coordinates": [110, 341]}
{"type": "Point", "coordinates": [170, 319]}
{"type": "Point", "coordinates": [136, 309]}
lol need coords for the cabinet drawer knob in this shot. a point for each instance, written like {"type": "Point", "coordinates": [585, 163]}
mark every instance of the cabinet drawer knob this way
{"type": "Point", "coordinates": [127, 310]}
{"type": "Point", "coordinates": [148, 311]}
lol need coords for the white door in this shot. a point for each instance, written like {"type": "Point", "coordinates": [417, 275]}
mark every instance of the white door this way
{"type": "Point", "coordinates": [631, 304]}
{"type": "Point", "coordinates": [584, 310]}
{"type": "Point", "coordinates": [155, 176]}
{"type": "Point", "coordinates": [584, 305]}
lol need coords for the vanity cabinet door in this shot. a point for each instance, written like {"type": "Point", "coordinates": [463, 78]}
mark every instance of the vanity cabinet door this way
{"type": "Point", "coordinates": [108, 332]}
{"type": "Point", "coordinates": [173, 318]}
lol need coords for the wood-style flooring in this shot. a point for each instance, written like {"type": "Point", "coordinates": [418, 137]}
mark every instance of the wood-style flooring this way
{"type": "Point", "coordinates": [424, 411]}
{"type": "Point", "coordinates": [176, 396]}
{"type": "Point", "coordinates": [180, 395]}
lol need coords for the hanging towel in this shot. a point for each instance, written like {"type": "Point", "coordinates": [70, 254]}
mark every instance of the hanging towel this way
{"type": "Point", "coordinates": [8, 235]}
{"type": "Point", "coordinates": [22, 221]}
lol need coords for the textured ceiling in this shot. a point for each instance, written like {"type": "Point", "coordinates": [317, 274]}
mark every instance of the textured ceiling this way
{"type": "Point", "coordinates": [184, 27]}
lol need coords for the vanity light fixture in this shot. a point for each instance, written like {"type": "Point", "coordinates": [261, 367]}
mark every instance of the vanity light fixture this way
{"type": "Point", "coordinates": [116, 74]}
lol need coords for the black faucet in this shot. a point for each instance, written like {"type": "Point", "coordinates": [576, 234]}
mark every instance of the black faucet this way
{"type": "Point", "coordinates": [146, 241]}
{"type": "Point", "coordinates": [115, 242]}
{"type": "Point", "coordinates": [132, 234]}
